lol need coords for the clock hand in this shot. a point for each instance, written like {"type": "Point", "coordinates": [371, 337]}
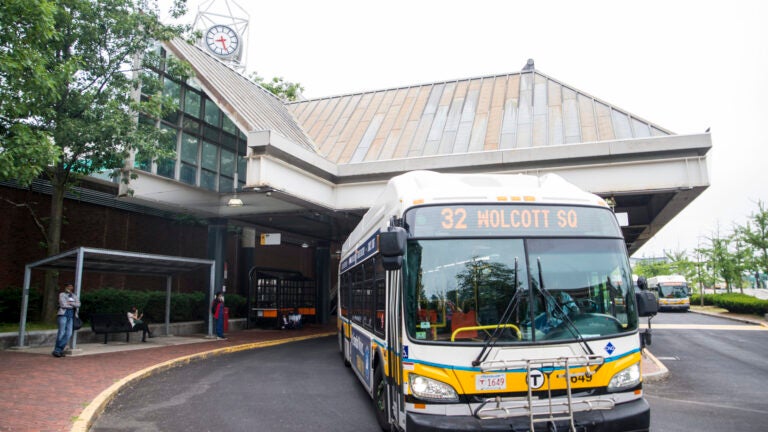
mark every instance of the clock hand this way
{"type": "Point", "coordinates": [223, 42]}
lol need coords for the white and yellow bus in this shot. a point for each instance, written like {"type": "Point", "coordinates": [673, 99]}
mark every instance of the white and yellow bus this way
{"type": "Point", "coordinates": [673, 292]}
{"type": "Point", "coordinates": [492, 302]}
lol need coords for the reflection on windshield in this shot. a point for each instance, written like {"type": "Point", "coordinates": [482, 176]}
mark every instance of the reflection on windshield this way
{"type": "Point", "coordinates": [674, 291]}
{"type": "Point", "coordinates": [457, 290]}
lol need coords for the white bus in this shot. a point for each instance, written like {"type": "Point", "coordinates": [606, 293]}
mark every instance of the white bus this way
{"type": "Point", "coordinates": [492, 302]}
{"type": "Point", "coordinates": [673, 292]}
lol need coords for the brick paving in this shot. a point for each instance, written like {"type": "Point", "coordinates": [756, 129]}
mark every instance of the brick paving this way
{"type": "Point", "coordinates": [45, 393]}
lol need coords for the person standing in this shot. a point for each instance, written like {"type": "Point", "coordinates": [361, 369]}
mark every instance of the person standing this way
{"type": "Point", "coordinates": [68, 303]}
{"type": "Point", "coordinates": [217, 308]}
{"type": "Point", "coordinates": [135, 318]}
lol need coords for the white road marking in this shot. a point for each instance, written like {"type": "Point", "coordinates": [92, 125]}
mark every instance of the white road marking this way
{"type": "Point", "coordinates": [745, 327]}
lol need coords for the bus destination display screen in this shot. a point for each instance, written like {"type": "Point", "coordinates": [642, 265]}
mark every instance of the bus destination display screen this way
{"type": "Point", "coordinates": [503, 220]}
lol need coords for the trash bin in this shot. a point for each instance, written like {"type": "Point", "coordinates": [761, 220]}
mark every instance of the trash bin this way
{"type": "Point", "coordinates": [226, 319]}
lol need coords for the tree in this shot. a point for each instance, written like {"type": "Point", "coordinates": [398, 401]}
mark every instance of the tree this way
{"type": "Point", "coordinates": [285, 90]}
{"type": "Point", "coordinates": [651, 268]}
{"type": "Point", "coordinates": [26, 87]}
{"type": "Point", "coordinates": [755, 234]}
{"type": "Point", "coordinates": [92, 60]}
{"type": "Point", "coordinates": [722, 261]}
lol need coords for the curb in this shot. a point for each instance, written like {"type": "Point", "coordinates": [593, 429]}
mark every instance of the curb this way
{"type": "Point", "coordinates": [659, 374]}
{"type": "Point", "coordinates": [732, 318]}
{"type": "Point", "coordinates": [85, 419]}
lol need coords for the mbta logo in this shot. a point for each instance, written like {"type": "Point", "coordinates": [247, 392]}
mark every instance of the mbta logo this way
{"type": "Point", "coordinates": [536, 379]}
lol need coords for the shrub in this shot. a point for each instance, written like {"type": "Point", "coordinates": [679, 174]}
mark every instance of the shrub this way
{"type": "Point", "coordinates": [741, 303]}
{"type": "Point", "coordinates": [10, 304]}
{"type": "Point", "coordinates": [708, 299]}
{"type": "Point", "coordinates": [184, 306]}
{"type": "Point", "coordinates": [236, 304]}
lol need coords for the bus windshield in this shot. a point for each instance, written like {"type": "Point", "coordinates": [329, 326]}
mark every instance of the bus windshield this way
{"type": "Point", "coordinates": [673, 291]}
{"type": "Point", "coordinates": [457, 290]}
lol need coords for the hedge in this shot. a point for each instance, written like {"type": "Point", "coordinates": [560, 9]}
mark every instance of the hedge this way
{"type": "Point", "coordinates": [184, 306]}
{"type": "Point", "coordinates": [734, 302]}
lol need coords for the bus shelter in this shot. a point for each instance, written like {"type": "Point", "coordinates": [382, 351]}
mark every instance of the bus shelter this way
{"type": "Point", "coordinates": [274, 293]}
{"type": "Point", "coordinates": [96, 260]}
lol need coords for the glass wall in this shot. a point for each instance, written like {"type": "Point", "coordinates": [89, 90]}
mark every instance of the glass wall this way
{"type": "Point", "coordinates": [209, 148]}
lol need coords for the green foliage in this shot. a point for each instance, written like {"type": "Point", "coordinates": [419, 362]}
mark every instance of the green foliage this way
{"type": "Point", "coordinates": [72, 74]}
{"type": "Point", "coordinates": [755, 234]}
{"type": "Point", "coordinates": [10, 304]}
{"type": "Point", "coordinates": [650, 269]}
{"type": "Point", "coordinates": [734, 302]}
{"type": "Point", "coordinates": [741, 303]}
{"type": "Point", "coordinates": [66, 97]}
{"type": "Point", "coordinates": [25, 149]}
{"type": "Point", "coordinates": [708, 299]}
{"type": "Point", "coordinates": [184, 306]}
{"type": "Point", "coordinates": [285, 90]}
{"type": "Point", "coordinates": [236, 304]}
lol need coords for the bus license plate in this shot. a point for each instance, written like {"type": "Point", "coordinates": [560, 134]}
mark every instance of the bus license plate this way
{"type": "Point", "coordinates": [491, 382]}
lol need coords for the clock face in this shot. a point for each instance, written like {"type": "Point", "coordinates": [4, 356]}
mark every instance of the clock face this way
{"type": "Point", "coordinates": [222, 40]}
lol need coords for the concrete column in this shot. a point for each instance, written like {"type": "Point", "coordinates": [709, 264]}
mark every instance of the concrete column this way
{"type": "Point", "coordinates": [323, 281]}
{"type": "Point", "coordinates": [217, 238]}
{"type": "Point", "coordinates": [247, 254]}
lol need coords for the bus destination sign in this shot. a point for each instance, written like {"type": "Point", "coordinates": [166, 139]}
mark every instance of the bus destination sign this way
{"type": "Point", "coordinates": [511, 220]}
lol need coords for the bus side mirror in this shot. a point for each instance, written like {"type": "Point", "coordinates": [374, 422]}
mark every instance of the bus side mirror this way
{"type": "Point", "coordinates": [392, 247]}
{"type": "Point", "coordinates": [642, 283]}
{"type": "Point", "coordinates": [647, 304]}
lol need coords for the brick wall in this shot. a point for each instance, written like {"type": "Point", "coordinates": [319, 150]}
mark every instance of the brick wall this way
{"type": "Point", "coordinates": [97, 226]}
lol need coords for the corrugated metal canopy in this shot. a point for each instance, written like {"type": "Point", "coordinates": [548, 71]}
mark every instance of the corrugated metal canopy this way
{"type": "Point", "coordinates": [114, 261]}
{"type": "Point", "coordinates": [516, 110]}
{"type": "Point", "coordinates": [248, 104]}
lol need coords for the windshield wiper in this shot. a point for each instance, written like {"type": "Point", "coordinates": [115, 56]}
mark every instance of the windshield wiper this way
{"type": "Point", "coordinates": [549, 297]}
{"type": "Point", "coordinates": [500, 327]}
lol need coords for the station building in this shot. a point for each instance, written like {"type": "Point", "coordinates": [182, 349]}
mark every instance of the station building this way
{"type": "Point", "coordinates": [268, 188]}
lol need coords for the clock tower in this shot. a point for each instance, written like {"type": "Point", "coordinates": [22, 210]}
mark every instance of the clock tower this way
{"type": "Point", "coordinates": [224, 28]}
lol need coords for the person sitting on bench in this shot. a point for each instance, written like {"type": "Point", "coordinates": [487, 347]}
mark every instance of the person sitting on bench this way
{"type": "Point", "coordinates": [135, 319]}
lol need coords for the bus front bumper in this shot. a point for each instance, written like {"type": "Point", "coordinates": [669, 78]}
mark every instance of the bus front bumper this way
{"type": "Point", "coordinates": [632, 416]}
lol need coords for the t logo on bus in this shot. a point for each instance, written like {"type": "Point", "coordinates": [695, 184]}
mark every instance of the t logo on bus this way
{"type": "Point", "coordinates": [535, 379]}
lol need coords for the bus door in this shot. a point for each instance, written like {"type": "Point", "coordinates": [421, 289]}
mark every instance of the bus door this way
{"type": "Point", "coordinates": [395, 354]}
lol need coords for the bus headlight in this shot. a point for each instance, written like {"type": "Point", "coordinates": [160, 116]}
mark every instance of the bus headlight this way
{"type": "Point", "coordinates": [432, 390]}
{"type": "Point", "coordinates": [627, 378]}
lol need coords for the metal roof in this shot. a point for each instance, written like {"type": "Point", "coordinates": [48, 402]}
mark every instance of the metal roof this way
{"type": "Point", "coordinates": [248, 104]}
{"type": "Point", "coordinates": [115, 261]}
{"type": "Point", "coordinates": [516, 110]}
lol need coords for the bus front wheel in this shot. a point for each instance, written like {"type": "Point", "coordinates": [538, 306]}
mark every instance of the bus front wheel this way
{"type": "Point", "coordinates": [380, 399]}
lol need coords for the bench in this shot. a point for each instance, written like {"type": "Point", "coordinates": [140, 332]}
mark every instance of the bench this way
{"type": "Point", "coordinates": [112, 323]}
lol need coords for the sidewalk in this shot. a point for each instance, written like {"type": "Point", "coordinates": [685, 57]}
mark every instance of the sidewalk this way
{"type": "Point", "coordinates": [43, 393]}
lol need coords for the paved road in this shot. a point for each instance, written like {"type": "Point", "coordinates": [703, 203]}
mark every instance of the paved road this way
{"type": "Point", "coordinates": [718, 372]}
{"type": "Point", "coordinates": [299, 386]}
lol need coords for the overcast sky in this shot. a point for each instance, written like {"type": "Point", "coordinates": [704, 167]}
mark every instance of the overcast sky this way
{"type": "Point", "coordinates": [684, 65]}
